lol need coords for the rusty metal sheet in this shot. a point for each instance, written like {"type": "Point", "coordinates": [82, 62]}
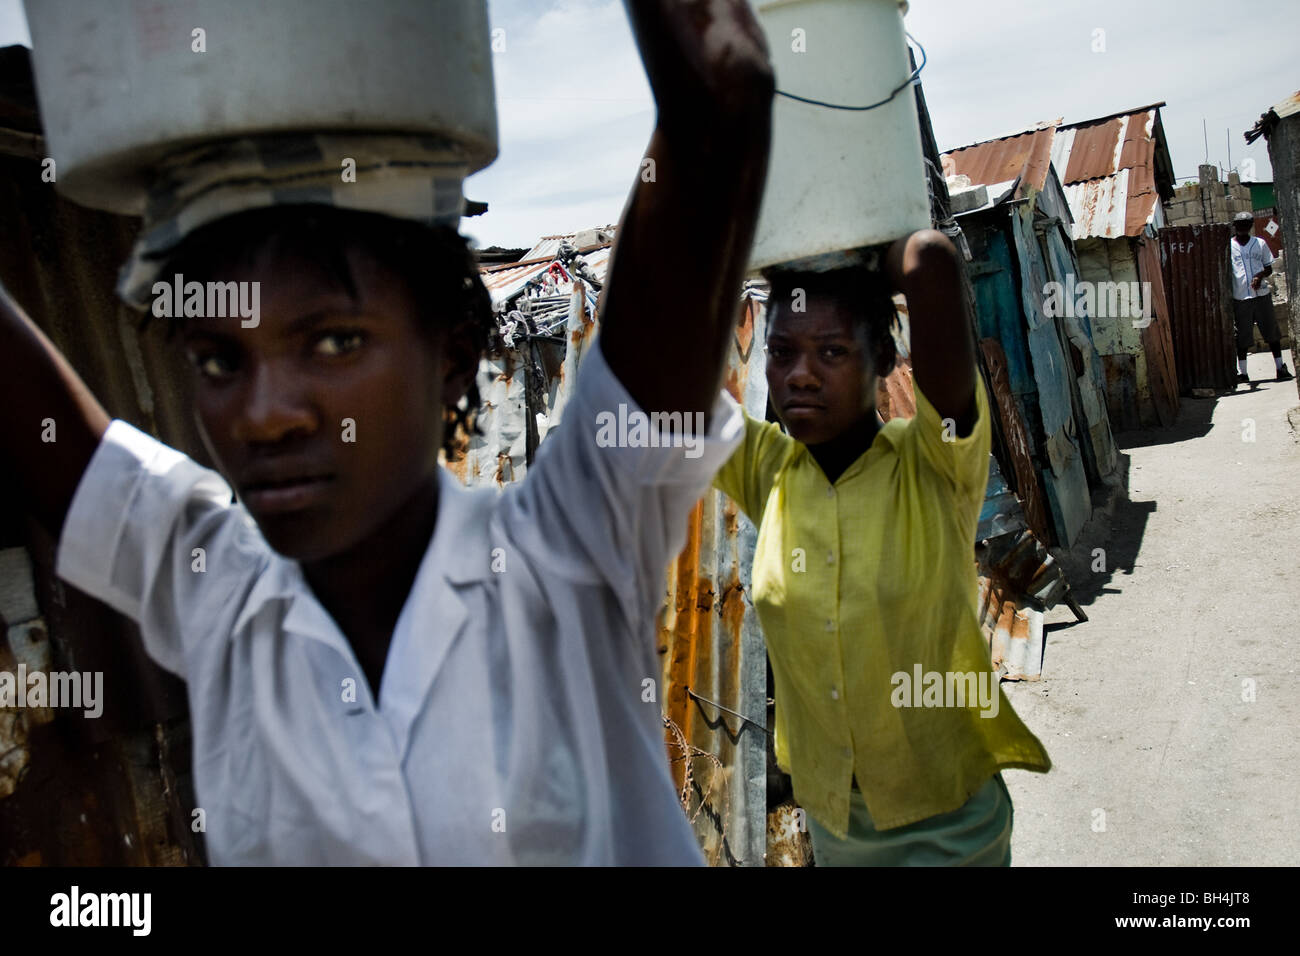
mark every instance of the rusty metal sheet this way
{"type": "Point", "coordinates": [503, 281]}
{"type": "Point", "coordinates": [715, 656]}
{"type": "Point", "coordinates": [788, 842]}
{"type": "Point", "coordinates": [1014, 632]}
{"type": "Point", "coordinates": [1096, 153]}
{"type": "Point", "coordinates": [1110, 208]}
{"type": "Point", "coordinates": [1099, 206]}
{"type": "Point", "coordinates": [1016, 436]}
{"type": "Point", "coordinates": [1103, 146]}
{"type": "Point", "coordinates": [113, 790]}
{"type": "Point", "coordinates": [1157, 342]}
{"type": "Point", "coordinates": [1194, 266]}
{"type": "Point", "coordinates": [1143, 199]}
{"type": "Point", "coordinates": [895, 397]}
{"type": "Point", "coordinates": [1025, 155]}
{"type": "Point", "coordinates": [1108, 169]}
{"type": "Point", "coordinates": [1018, 581]}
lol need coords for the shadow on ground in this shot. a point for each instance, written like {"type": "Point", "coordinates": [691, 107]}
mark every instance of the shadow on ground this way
{"type": "Point", "coordinates": [1194, 421]}
{"type": "Point", "coordinates": [1106, 551]}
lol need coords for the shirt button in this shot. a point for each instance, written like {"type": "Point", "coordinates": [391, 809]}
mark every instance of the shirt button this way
{"type": "Point", "coordinates": [835, 694]}
{"type": "Point", "coordinates": [830, 625]}
{"type": "Point", "coordinates": [830, 557]}
{"type": "Point", "coordinates": [830, 491]}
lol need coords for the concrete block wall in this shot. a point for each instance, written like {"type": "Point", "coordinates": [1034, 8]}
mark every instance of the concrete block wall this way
{"type": "Point", "coordinates": [1208, 200]}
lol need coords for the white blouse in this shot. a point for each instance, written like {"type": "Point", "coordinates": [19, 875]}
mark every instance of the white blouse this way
{"type": "Point", "coordinates": [513, 723]}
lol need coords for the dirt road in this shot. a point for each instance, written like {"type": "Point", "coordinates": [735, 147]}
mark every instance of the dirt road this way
{"type": "Point", "coordinates": [1173, 716]}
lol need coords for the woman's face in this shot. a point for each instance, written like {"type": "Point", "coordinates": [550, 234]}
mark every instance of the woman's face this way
{"type": "Point", "coordinates": [820, 377]}
{"type": "Point", "coordinates": [327, 416]}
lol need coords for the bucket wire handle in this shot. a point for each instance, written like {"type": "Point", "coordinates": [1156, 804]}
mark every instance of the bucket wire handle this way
{"type": "Point", "coordinates": [898, 89]}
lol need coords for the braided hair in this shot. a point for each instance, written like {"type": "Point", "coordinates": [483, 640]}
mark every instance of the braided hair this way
{"type": "Point", "coordinates": [439, 268]}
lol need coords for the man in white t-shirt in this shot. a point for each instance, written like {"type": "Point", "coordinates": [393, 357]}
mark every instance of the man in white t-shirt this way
{"type": "Point", "coordinates": [1252, 299]}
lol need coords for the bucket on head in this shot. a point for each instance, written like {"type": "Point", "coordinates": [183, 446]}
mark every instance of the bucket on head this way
{"type": "Point", "coordinates": [839, 180]}
{"type": "Point", "coordinates": [122, 83]}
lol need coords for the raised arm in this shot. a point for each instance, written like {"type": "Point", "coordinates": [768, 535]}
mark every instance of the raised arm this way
{"type": "Point", "coordinates": [925, 268]}
{"type": "Point", "coordinates": [51, 423]}
{"type": "Point", "coordinates": [685, 236]}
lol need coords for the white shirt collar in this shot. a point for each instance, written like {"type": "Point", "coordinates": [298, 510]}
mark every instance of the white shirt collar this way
{"type": "Point", "coordinates": [458, 554]}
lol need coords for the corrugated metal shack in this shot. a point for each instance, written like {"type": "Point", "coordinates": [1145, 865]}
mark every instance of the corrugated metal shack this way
{"type": "Point", "coordinates": [1018, 225]}
{"type": "Point", "coordinates": [1116, 171]}
{"type": "Point", "coordinates": [113, 790]}
{"type": "Point", "coordinates": [1281, 125]}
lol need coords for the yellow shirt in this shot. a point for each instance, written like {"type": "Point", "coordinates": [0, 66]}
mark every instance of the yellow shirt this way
{"type": "Point", "coordinates": [866, 590]}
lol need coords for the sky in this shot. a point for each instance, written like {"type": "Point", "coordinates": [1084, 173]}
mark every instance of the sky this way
{"type": "Point", "coordinates": [574, 110]}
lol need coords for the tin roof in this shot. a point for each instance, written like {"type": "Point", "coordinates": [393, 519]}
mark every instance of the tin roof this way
{"type": "Point", "coordinates": [1026, 156]}
{"type": "Point", "coordinates": [505, 279]}
{"type": "Point", "coordinates": [1114, 170]}
{"type": "Point", "coordinates": [549, 246]}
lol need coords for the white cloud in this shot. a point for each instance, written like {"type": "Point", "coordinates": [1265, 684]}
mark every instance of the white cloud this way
{"type": "Point", "coordinates": [575, 111]}
{"type": "Point", "coordinates": [1001, 65]}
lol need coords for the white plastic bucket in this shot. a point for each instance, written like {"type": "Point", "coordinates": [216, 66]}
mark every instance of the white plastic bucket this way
{"type": "Point", "coordinates": [120, 82]}
{"type": "Point", "coordinates": [839, 180]}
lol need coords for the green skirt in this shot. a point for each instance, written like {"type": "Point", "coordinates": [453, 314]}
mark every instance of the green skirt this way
{"type": "Point", "coordinates": [978, 833]}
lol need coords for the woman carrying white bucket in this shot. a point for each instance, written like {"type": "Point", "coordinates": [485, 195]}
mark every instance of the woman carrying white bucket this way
{"type": "Point", "coordinates": [383, 667]}
{"type": "Point", "coordinates": [890, 720]}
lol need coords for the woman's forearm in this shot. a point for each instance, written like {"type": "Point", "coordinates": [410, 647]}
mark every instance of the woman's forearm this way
{"type": "Point", "coordinates": [925, 268]}
{"type": "Point", "coordinates": [51, 423]}
{"type": "Point", "coordinates": [684, 239]}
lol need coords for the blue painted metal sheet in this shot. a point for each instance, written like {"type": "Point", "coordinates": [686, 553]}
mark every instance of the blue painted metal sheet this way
{"type": "Point", "coordinates": [1060, 456]}
{"type": "Point", "coordinates": [999, 317]}
{"type": "Point", "coordinates": [1092, 418]}
{"type": "Point", "coordinates": [1002, 512]}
